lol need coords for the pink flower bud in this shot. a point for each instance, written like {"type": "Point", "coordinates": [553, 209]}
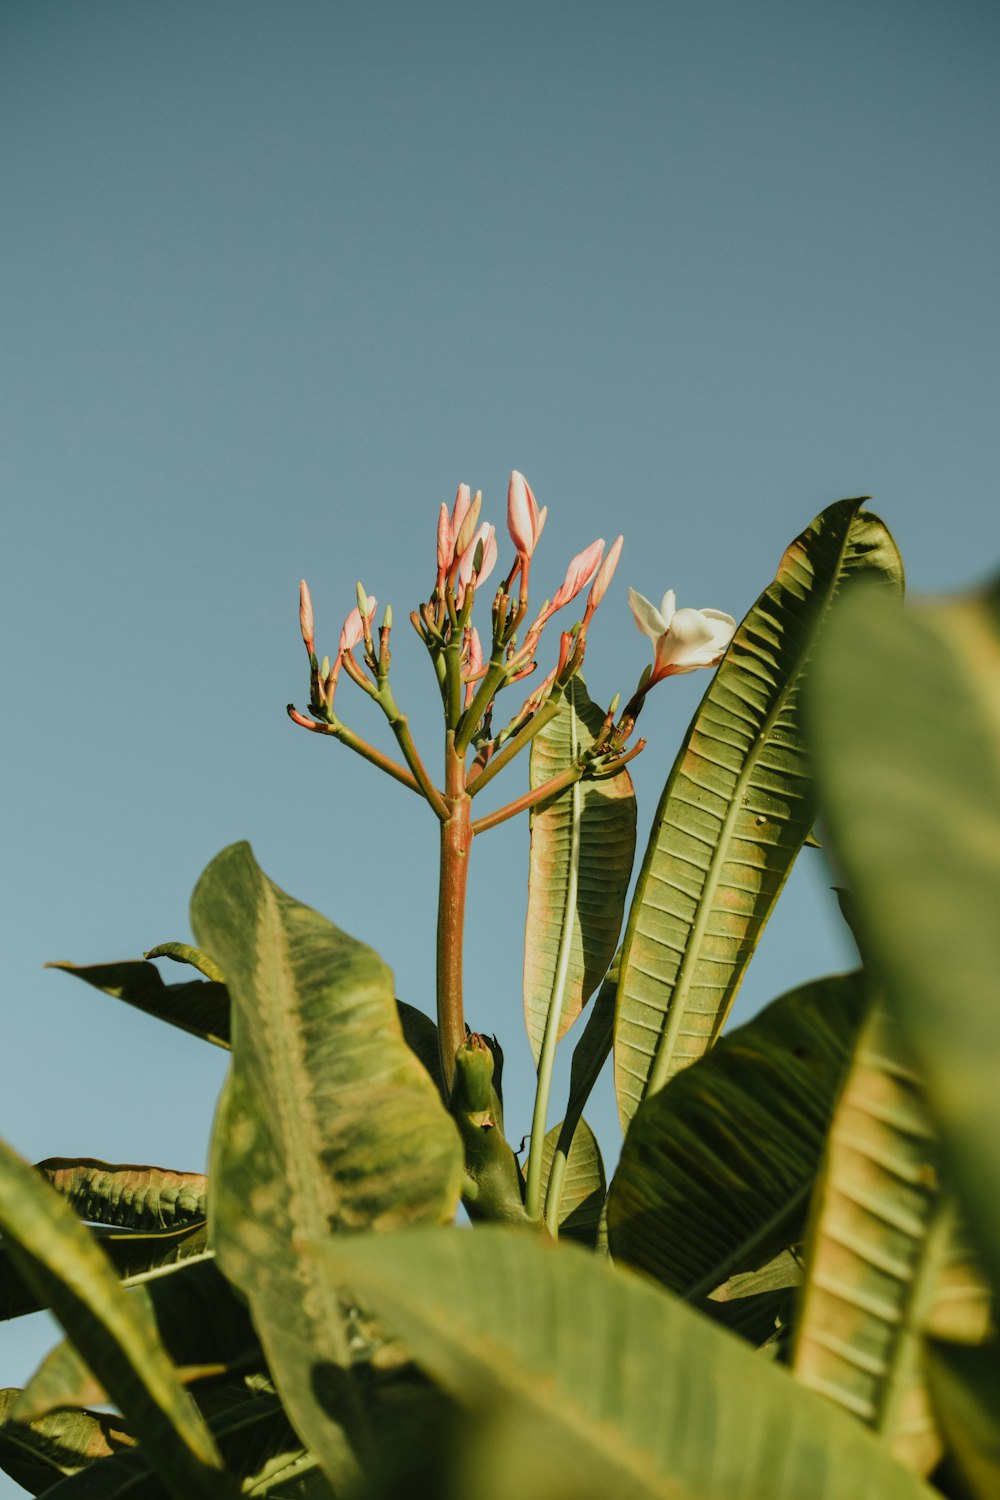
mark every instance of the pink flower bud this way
{"type": "Point", "coordinates": [579, 573]}
{"type": "Point", "coordinates": [475, 653]}
{"type": "Point", "coordinates": [463, 500]}
{"type": "Point", "coordinates": [487, 536]}
{"type": "Point", "coordinates": [444, 541]}
{"type": "Point", "coordinates": [475, 664]}
{"type": "Point", "coordinates": [605, 573]}
{"type": "Point", "coordinates": [524, 519]}
{"type": "Point", "coordinates": [464, 530]}
{"type": "Point", "coordinates": [306, 617]}
{"type": "Point", "coordinates": [353, 628]}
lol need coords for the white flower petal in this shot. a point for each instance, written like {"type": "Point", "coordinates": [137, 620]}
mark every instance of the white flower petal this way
{"type": "Point", "coordinates": [667, 606]}
{"type": "Point", "coordinates": [647, 617]}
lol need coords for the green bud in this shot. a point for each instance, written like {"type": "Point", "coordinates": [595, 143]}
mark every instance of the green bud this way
{"type": "Point", "coordinates": [362, 601]}
{"type": "Point", "coordinates": [477, 557]}
{"type": "Point", "coordinates": [613, 706]}
{"type": "Point", "coordinates": [387, 618]}
{"type": "Point", "coordinates": [324, 670]}
{"type": "Point", "coordinates": [472, 1089]}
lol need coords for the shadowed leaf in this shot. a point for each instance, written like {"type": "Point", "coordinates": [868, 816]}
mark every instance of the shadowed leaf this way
{"type": "Point", "coordinates": [198, 1006]}
{"type": "Point", "coordinates": [717, 1169]}
{"type": "Point", "coordinates": [114, 1329]}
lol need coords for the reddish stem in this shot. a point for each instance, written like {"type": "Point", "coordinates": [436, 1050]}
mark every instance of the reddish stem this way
{"type": "Point", "coordinates": [456, 841]}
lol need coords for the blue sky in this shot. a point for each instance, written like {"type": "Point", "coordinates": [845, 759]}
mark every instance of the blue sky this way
{"type": "Point", "coordinates": [278, 277]}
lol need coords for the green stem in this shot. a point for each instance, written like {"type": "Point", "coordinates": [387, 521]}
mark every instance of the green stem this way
{"type": "Point", "coordinates": [550, 788]}
{"type": "Point", "coordinates": [456, 840]}
{"type": "Point", "coordinates": [496, 676]}
{"type": "Point", "coordinates": [547, 1057]}
{"type": "Point", "coordinates": [524, 737]}
{"type": "Point", "coordinates": [400, 726]}
{"type": "Point", "coordinates": [360, 747]}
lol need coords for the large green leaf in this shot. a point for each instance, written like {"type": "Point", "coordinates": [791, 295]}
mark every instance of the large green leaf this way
{"type": "Point", "coordinates": [582, 848]}
{"type": "Point", "coordinates": [126, 1196]}
{"type": "Point", "coordinates": [112, 1328]}
{"type": "Point", "coordinates": [735, 810]}
{"type": "Point", "coordinates": [905, 719]}
{"type": "Point", "coordinates": [198, 1006]}
{"type": "Point", "coordinates": [621, 1389]}
{"type": "Point", "coordinates": [718, 1167]}
{"type": "Point", "coordinates": [327, 1123]}
{"type": "Point", "coordinates": [877, 1240]}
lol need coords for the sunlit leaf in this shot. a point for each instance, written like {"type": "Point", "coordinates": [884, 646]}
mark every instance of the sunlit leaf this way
{"type": "Point", "coordinates": [735, 811]}
{"type": "Point", "coordinates": [126, 1196]}
{"type": "Point", "coordinates": [327, 1123]}
{"type": "Point", "coordinates": [614, 1387]}
{"type": "Point", "coordinates": [905, 719]}
{"type": "Point", "coordinates": [582, 848]}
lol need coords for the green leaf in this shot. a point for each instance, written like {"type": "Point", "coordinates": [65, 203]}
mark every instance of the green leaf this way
{"type": "Point", "coordinates": [135, 1257]}
{"type": "Point", "coordinates": [717, 1169]}
{"type": "Point", "coordinates": [126, 1196]}
{"type": "Point", "coordinates": [758, 1305]}
{"type": "Point", "coordinates": [201, 1324]}
{"type": "Point", "coordinates": [964, 1383]}
{"type": "Point", "coordinates": [328, 1123]}
{"type": "Point", "coordinates": [581, 1201]}
{"type": "Point", "coordinates": [184, 953]}
{"type": "Point", "coordinates": [198, 1006]}
{"type": "Point", "coordinates": [421, 1036]}
{"type": "Point", "coordinates": [38, 1454]}
{"type": "Point", "coordinates": [71, 1273]}
{"type": "Point", "coordinates": [736, 808]}
{"type": "Point", "coordinates": [878, 1249]}
{"type": "Point", "coordinates": [255, 1437]}
{"type": "Point", "coordinates": [905, 718]}
{"type": "Point", "coordinates": [620, 1388]}
{"type": "Point", "coordinates": [582, 848]}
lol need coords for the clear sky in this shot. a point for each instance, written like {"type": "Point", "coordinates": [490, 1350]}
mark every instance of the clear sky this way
{"type": "Point", "coordinates": [276, 277]}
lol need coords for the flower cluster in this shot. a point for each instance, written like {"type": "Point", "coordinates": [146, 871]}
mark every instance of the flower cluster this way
{"type": "Point", "coordinates": [471, 675]}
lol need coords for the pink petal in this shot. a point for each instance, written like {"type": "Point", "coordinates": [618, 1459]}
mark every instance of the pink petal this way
{"type": "Point", "coordinates": [579, 573]}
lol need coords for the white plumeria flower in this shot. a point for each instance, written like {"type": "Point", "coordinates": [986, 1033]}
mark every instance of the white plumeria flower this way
{"type": "Point", "coordinates": [683, 639]}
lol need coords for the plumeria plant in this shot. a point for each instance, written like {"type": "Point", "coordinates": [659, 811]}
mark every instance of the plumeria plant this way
{"type": "Point", "coordinates": [476, 750]}
{"type": "Point", "coordinates": [809, 1199]}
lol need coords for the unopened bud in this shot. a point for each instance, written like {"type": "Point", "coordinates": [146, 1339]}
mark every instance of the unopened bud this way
{"type": "Point", "coordinates": [468, 527]}
{"type": "Point", "coordinates": [473, 1087]}
{"type": "Point", "coordinates": [306, 616]}
{"type": "Point", "coordinates": [613, 705]}
{"type": "Point", "coordinates": [387, 618]}
{"type": "Point", "coordinates": [363, 610]}
{"type": "Point", "coordinates": [477, 557]}
{"type": "Point", "coordinates": [324, 667]}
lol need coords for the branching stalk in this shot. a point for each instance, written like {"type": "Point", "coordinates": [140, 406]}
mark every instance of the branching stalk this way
{"type": "Point", "coordinates": [513, 747]}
